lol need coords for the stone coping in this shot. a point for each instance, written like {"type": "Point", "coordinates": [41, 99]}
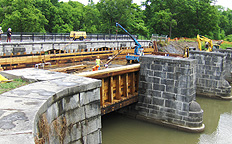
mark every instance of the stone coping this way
{"type": "Point", "coordinates": [21, 106]}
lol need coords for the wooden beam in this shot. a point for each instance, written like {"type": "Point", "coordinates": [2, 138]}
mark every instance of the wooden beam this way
{"type": "Point", "coordinates": [111, 71]}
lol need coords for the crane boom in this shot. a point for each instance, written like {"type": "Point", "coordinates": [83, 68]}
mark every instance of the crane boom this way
{"type": "Point", "coordinates": [136, 42]}
{"type": "Point", "coordinates": [138, 46]}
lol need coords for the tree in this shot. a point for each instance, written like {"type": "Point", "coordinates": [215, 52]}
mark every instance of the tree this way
{"type": "Point", "coordinates": [91, 18]}
{"type": "Point", "coordinates": [112, 12]}
{"type": "Point", "coordinates": [24, 17]}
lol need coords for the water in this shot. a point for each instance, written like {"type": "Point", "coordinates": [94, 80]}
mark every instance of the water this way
{"type": "Point", "coordinates": [118, 129]}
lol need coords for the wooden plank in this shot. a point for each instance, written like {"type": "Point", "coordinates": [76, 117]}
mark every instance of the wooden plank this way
{"type": "Point", "coordinates": [118, 87]}
{"type": "Point", "coordinates": [111, 91]}
{"type": "Point", "coordinates": [125, 92]}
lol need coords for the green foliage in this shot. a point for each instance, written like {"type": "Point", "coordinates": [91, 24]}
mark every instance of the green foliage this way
{"type": "Point", "coordinates": [176, 18]}
{"type": "Point", "coordinates": [228, 38]}
{"type": "Point", "coordinates": [226, 45]}
{"type": "Point", "coordinates": [22, 16]}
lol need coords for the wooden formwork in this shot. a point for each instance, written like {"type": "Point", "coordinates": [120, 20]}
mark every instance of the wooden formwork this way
{"type": "Point", "coordinates": [56, 57]}
{"type": "Point", "coordinates": [119, 86]}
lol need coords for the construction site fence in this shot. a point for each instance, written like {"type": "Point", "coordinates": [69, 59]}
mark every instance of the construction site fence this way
{"type": "Point", "coordinates": [31, 37]}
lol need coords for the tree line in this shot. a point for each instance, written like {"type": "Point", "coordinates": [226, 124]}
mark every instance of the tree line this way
{"type": "Point", "coordinates": [175, 18]}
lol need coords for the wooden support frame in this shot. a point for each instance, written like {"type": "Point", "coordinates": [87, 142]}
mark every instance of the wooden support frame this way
{"type": "Point", "coordinates": [119, 86]}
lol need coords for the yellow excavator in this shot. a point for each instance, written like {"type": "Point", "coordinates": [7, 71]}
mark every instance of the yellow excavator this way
{"type": "Point", "coordinates": [208, 45]}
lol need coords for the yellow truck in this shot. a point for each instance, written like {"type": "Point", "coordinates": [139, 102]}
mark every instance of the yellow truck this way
{"type": "Point", "coordinates": [78, 35]}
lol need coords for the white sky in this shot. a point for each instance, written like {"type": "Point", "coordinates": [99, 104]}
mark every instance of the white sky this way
{"type": "Point", "coordinates": [224, 3]}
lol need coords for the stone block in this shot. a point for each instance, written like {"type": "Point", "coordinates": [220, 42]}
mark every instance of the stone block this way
{"type": "Point", "coordinates": [156, 67]}
{"type": "Point", "coordinates": [71, 102]}
{"type": "Point", "coordinates": [89, 96]}
{"type": "Point", "coordinates": [170, 96]}
{"type": "Point", "coordinates": [93, 109]}
{"type": "Point", "coordinates": [91, 125]}
{"type": "Point", "coordinates": [158, 87]}
{"type": "Point", "coordinates": [153, 107]}
{"type": "Point", "coordinates": [157, 101]}
{"type": "Point", "coordinates": [74, 132]}
{"type": "Point", "coordinates": [170, 104]}
{"type": "Point", "coordinates": [155, 93]}
{"type": "Point", "coordinates": [145, 85]}
{"type": "Point", "coordinates": [154, 80]}
{"type": "Point", "coordinates": [74, 116]}
{"type": "Point", "coordinates": [93, 138]}
{"type": "Point", "coordinates": [52, 112]}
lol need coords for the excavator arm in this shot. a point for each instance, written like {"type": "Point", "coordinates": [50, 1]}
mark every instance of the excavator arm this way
{"type": "Point", "coordinates": [209, 43]}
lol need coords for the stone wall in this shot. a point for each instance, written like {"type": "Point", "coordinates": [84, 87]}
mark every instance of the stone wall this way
{"type": "Point", "coordinates": [228, 67]}
{"type": "Point", "coordinates": [211, 72]}
{"type": "Point", "coordinates": [57, 108]}
{"type": "Point", "coordinates": [77, 46]}
{"type": "Point", "coordinates": [167, 91]}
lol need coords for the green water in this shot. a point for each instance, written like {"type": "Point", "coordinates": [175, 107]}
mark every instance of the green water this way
{"type": "Point", "coordinates": [118, 129]}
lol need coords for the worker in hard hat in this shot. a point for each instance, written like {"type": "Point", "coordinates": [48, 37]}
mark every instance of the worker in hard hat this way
{"type": "Point", "coordinates": [98, 62]}
{"type": "Point", "coordinates": [1, 32]}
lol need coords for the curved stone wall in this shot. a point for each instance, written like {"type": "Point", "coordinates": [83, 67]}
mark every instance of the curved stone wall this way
{"type": "Point", "coordinates": [62, 109]}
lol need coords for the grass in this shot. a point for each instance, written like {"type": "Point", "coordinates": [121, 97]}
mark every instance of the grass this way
{"type": "Point", "coordinates": [225, 45]}
{"type": "Point", "coordinates": [4, 87]}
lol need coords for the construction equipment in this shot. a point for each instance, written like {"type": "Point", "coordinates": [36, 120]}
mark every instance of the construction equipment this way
{"type": "Point", "coordinates": [186, 51]}
{"type": "Point", "coordinates": [208, 43]}
{"type": "Point", "coordinates": [138, 48]}
{"type": "Point", "coordinates": [81, 35]}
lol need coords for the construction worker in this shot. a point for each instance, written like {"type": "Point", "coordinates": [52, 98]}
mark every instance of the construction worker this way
{"type": "Point", "coordinates": [98, 62]}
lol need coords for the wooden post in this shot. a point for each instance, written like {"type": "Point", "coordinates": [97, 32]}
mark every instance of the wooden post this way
{"type": "Point", "coordinates": [118, 87]}
{"type": "Point", "coordinates": [126, 85]}
{"type": "Point", "coordinates": [111, 90]}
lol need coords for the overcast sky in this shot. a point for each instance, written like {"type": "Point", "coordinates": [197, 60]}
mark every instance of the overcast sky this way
{"type": "Point", "coordinates": [224, 3]}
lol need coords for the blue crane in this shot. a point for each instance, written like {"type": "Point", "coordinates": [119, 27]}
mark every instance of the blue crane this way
{"type": "Point", "coordinates": [138, 47]}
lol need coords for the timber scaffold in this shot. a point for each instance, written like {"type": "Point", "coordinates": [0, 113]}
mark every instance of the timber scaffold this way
{"type": "Point", "coordinates": [57, 57]}
{"type": "Point", "coordinates": [119, 86]}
